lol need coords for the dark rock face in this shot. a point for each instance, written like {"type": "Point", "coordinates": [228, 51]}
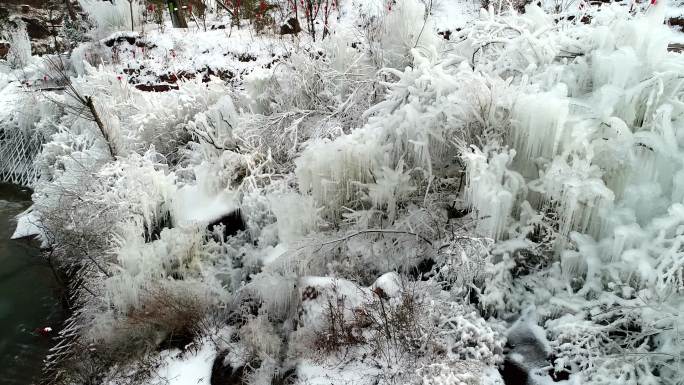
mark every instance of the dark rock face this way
{"type": "Point", "coordinates": [41, 23]}
{"type": "Point", "coordinates": [43, 20]}
{"type": "Point", "coordinates": [39, 29]}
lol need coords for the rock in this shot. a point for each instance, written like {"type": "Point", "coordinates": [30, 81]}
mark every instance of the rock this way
{"type": "Point", "coordinates": [423, 270]}
{"type": "Point", "coordinates": [528, 355]}
{"type": "Point", "coordinates": [131, 38]}
{"type": "Point", "coordinates": [156, 87]}
{"type": "Point", "coordinates": [42, 20]}
{"type": "Point", "coordinates": [676, 23]}
{"type": "Point", "coordinates": [513, 374]}
{"type": "Point", "coordinates": [223, 373]}
{"type": "Point", "coordinates": [292, 27]}
{"type": "Point", "coordinates": [4, 50]}
{"type": "Point", "coordinates": [232, 222]}
{"type": "Point", "coordinates": [36, 28]}
{"type": "Point", "coordinates": [388, 285]}
{"type": "Point", "coordinates": [317, 293]}
{"type": "Point", "coordinates": [672, 47]}
{"type": "Point", "coordinates": [245, 57]}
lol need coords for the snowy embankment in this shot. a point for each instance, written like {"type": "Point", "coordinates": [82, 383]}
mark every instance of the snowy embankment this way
{"type": "Point", "coordinates": [383, 206]}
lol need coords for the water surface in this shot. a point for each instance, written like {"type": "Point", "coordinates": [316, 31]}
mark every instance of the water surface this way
{"type": "Point", "coordinates": [28, 298]}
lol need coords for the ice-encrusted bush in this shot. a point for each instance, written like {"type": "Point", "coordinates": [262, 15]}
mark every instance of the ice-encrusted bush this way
{"type": "Point", "coordinates": [588, 148]}
{"type": "Point", "coordinates": [391, 30]}
{"type": "Point", "coordinates": [19, 53]}
{"type": "Point", "coordinates": [314, 93]}
{"type": "Point", "coordinates": [399, 326]}
{"type": "Point", "coordinates": [460, 372]}
{"type": "Point", "coordinates": [492, 189]}
{"type": "Point", "coordinates": [112, 16]}
{"type": "Point", "coordinates": [425, 114]}
{"type": "Point", "coordinates": [571, 200]}
{"type": "Point", "coordinates": [123, 346]}
{"type": "Point", "coordinates": [142, 119]}
{"type": "Point", "coordinates": [261, 338]}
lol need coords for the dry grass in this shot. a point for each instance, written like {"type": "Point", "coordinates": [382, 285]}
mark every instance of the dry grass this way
{"type": "Point", "coordinates": [179, 316]}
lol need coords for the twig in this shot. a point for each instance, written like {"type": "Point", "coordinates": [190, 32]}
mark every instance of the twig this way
{"type": "Point", "coordinates": [382, 231]}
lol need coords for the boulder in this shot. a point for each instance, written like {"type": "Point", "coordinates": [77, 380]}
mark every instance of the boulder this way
{"type": "Point", "coordinates": [4, 50]}
{"type": "Point", "coordinates": [222, 373]}
{"type": "Point", "coordinates": [292, 27]}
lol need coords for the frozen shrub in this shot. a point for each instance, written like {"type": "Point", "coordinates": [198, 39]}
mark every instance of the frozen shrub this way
{"type": "Point", "coordinates": [577, 213]}
{"type": "Point", "coordinates": [261, 338]}
{"type": "Point", "coordinates": [19, 53]}
{"type": "Point", "coordinates": [112, 16]}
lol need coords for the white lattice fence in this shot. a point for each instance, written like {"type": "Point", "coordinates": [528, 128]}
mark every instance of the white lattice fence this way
{"type": "Point", "coordinates": [18, 149]}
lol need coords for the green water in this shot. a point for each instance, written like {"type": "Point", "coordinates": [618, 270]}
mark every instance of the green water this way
{"type": "Point", "coordinates": [27, 296]}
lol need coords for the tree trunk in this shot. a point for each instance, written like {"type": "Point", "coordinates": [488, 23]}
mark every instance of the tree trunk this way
{"type": "Point", "coordinates": [310, 19]}
{"type": "Point", "coordinates": [96, 117]}
{"type": "Point", "coordinates": [70, 10]}
{"type": "Point", "coordinates": [130, 8]}
{"type": "Point", "coordinates": [177, 18]}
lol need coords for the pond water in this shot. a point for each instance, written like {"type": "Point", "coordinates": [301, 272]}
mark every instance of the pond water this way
{"type": "Point", "coordinates": [28, 299]}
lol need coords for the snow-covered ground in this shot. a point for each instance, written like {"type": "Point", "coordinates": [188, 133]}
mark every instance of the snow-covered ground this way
{"type": "Point", "coordinates": [382, 206]}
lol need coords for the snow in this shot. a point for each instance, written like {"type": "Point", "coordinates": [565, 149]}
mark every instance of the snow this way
{"type": "Point", "coordinates": [27, 225]}
{"type": "Point", "coordinates": [182, 368]}
{"type": "Point", "coordinates": [194, 204]}
{"type": "Point", "coordinates": [389, 283]}
{"type": "Point", "coordinates": [454, 15]}
{"type": "Point", "coordinates": [354, 373]}
{"type": "Point", "coordinates": [273, 253]}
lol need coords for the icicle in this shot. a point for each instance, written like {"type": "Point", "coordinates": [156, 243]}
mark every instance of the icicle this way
{"type": "Point", "coordinates": [579, 191]}
{"type": "Point", "coordinates": [492, 189]}
{"type": "Point", "coordinates": [539, 120]}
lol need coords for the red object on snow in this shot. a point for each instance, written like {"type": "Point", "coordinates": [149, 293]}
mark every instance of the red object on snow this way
{"type": "Point", "coordinates": [150, 7]}
{"type": "Point", "coordinates": [654, 2]}
{"type": "Point", "coordinates": [43, 332]}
